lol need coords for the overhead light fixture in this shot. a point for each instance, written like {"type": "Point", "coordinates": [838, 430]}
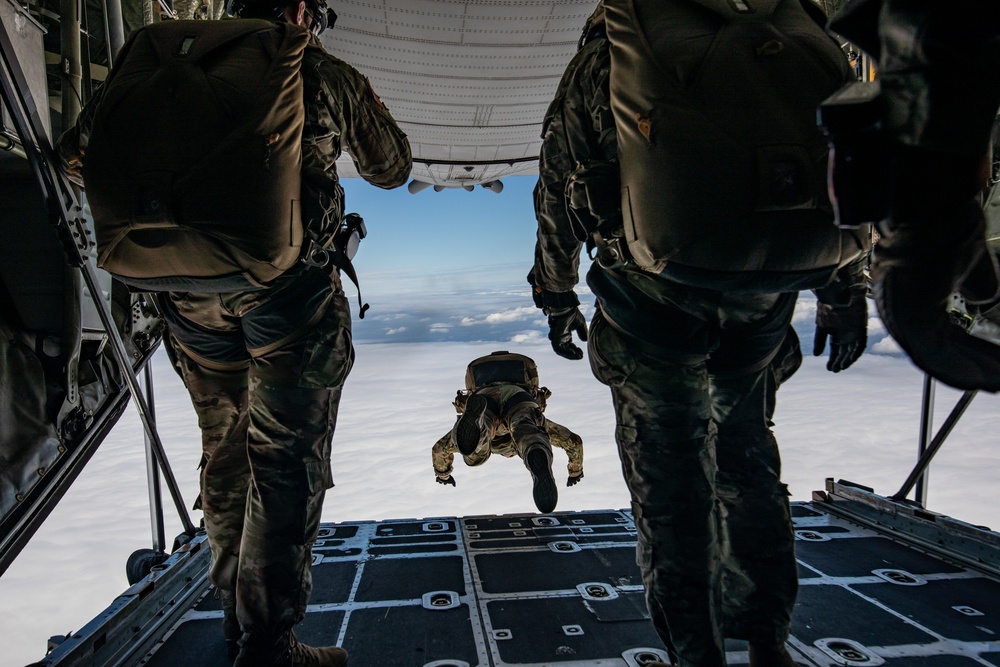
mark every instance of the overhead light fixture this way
{"type": "Point", "coordinates": [468, 188]}
{"type": "Point", "coordinates": [494, 186]}
{"type": "Point", "coordinates": [438, 188]}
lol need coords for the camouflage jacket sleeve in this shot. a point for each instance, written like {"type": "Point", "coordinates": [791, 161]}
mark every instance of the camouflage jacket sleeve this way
{"type": "Point", "coordinates": [848, 284]}
{"type": "Point", "coordinates": [578, 127]}
{"type": "Point", "coordinates": [343, 112]}
{"type": "Point", "coordinates": [443, 455]}
{"type": "Point", "coordinates": [570, 442]}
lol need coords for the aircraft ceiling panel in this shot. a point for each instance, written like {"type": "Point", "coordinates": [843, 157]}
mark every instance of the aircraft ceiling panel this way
{"type": "Point", "coordinates": [472, 154]}
{"type": "Point", "coordinates": [480, 137]}
{"type": "Point", "coordinates": [474, 93]}
{"type": "Point", "coordinates": [469, 82]}
{"type": "Point", "coordinates": [451, 65]}
{"type": "Point", "coordinates": [466, 149]}
{"type": "Point", "coordinates": [498, 22]}
{"type": "Point", "coordinates": [448, 120]}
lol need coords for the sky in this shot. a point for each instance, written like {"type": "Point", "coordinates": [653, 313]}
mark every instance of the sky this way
{"type": "Point", "coordinates": [439, 243]}
{"type": "Point", "coordinates": [444, 274]}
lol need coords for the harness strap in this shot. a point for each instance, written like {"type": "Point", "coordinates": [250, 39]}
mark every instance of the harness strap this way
{"type": "Point", "coordinates": [332, 258]}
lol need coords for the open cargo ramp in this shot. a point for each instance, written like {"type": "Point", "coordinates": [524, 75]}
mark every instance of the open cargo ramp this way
{"type": "Point", "coordinates": [881, 583]}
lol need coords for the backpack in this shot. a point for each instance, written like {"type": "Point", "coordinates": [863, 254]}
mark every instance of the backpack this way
{"type": "Point", "coordinates": [723, 168]}
{"type": "Point", "coordinates": [193, 166]}
{"type": "Point", "coordinates": [502, 367]}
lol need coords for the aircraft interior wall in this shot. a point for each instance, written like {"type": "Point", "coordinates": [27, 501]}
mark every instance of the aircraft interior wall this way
{"type": "Point", "coordinates": [60, 386]}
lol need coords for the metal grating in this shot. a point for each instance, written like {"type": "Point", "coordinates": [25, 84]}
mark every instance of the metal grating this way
{"type": "Point", "coordinates": [497, 591]}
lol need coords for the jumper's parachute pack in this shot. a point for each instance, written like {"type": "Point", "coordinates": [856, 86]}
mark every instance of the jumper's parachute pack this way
{"type": "Point", "coordinates": [502, 367]}
{"type": "Point", "coordinates": [192, 170]}
{"type": "Point", "coordinates": [723, 168]}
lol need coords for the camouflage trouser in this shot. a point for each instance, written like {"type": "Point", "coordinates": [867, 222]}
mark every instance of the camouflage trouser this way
{"type": "Point", "coordinates": [715, 542]}
{"type": "Point", "coordinates": [510, 409]}
{"type": "Point", "coordinates": [264, 370]}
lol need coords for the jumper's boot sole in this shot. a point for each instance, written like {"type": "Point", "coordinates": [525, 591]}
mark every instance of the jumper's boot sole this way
{"type": "Point", "coordinates": [934, 245]}
{"type": "Point", "coordinates": [286, 651]}
{"type": "Point", "coordinates": [912, 290]}
{"type": "Point", "coordinates": [933, 342]}
{"type": "Point", "coordinates": [543, 490]}
{"type": "Point", "coordinates": [469, 429]}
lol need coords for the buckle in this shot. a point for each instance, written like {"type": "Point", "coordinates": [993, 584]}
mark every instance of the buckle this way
{"type": "Point", "coordinates": [317, 255]}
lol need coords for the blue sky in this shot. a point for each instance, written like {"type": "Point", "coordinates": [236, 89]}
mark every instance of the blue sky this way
{"type": "Point", "coordinates": [445, 266]}
{"type": "Point", "coordinates": [440, 240]}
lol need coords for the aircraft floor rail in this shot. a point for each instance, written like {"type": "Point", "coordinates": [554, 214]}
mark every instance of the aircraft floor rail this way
{"type": "Point", "coordinates": [975, 547]}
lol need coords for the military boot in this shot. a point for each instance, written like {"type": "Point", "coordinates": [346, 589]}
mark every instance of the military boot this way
{"type": "Point", "coordinates": [770, 655]}
{"type": "Point", "coordinates": [230, 624]}
{"type": "Point", "coordinates": [256, 651]}
{"type": "Point", "coordinates": [543, 489]}
{"type": "Point", "coordinates": [469, 429]}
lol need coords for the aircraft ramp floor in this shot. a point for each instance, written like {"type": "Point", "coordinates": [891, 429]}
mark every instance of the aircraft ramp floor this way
{"type": "Point", "coordinates": [563, 589]}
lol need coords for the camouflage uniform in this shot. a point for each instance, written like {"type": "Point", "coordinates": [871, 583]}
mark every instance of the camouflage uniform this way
{"type": "Point", "coordinates": [509, 432]}
{"type": "Point", "coordinates": [200, 9]}
{"type": "Point", "coordinates": [715, 538]}
{"type": "Point", "coordinates": [265, 367]}
{"type": "Point", "coordinates": [578, 128]}
{"type": "Point", "coordinates": [693, 375]}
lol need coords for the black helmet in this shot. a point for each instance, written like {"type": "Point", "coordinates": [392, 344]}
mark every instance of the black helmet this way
{"type": "Point", "coordinates": [322, 16]}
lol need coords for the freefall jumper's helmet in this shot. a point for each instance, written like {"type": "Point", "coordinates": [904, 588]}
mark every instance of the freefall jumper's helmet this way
{"type": "Point", "coordinates": [323, 17]}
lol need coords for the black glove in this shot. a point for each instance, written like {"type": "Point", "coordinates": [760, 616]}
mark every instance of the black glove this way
{"type": "Point", "coordinates": [536, 291]}
{"type": "Point", "coordinates": [573, 479]}
{"type": "Point", "coordinates": [450, 479]}
{"type": "Point", "coordinates": [847, 328]}
{"type": "Point", "coordinates": [562, 324]}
